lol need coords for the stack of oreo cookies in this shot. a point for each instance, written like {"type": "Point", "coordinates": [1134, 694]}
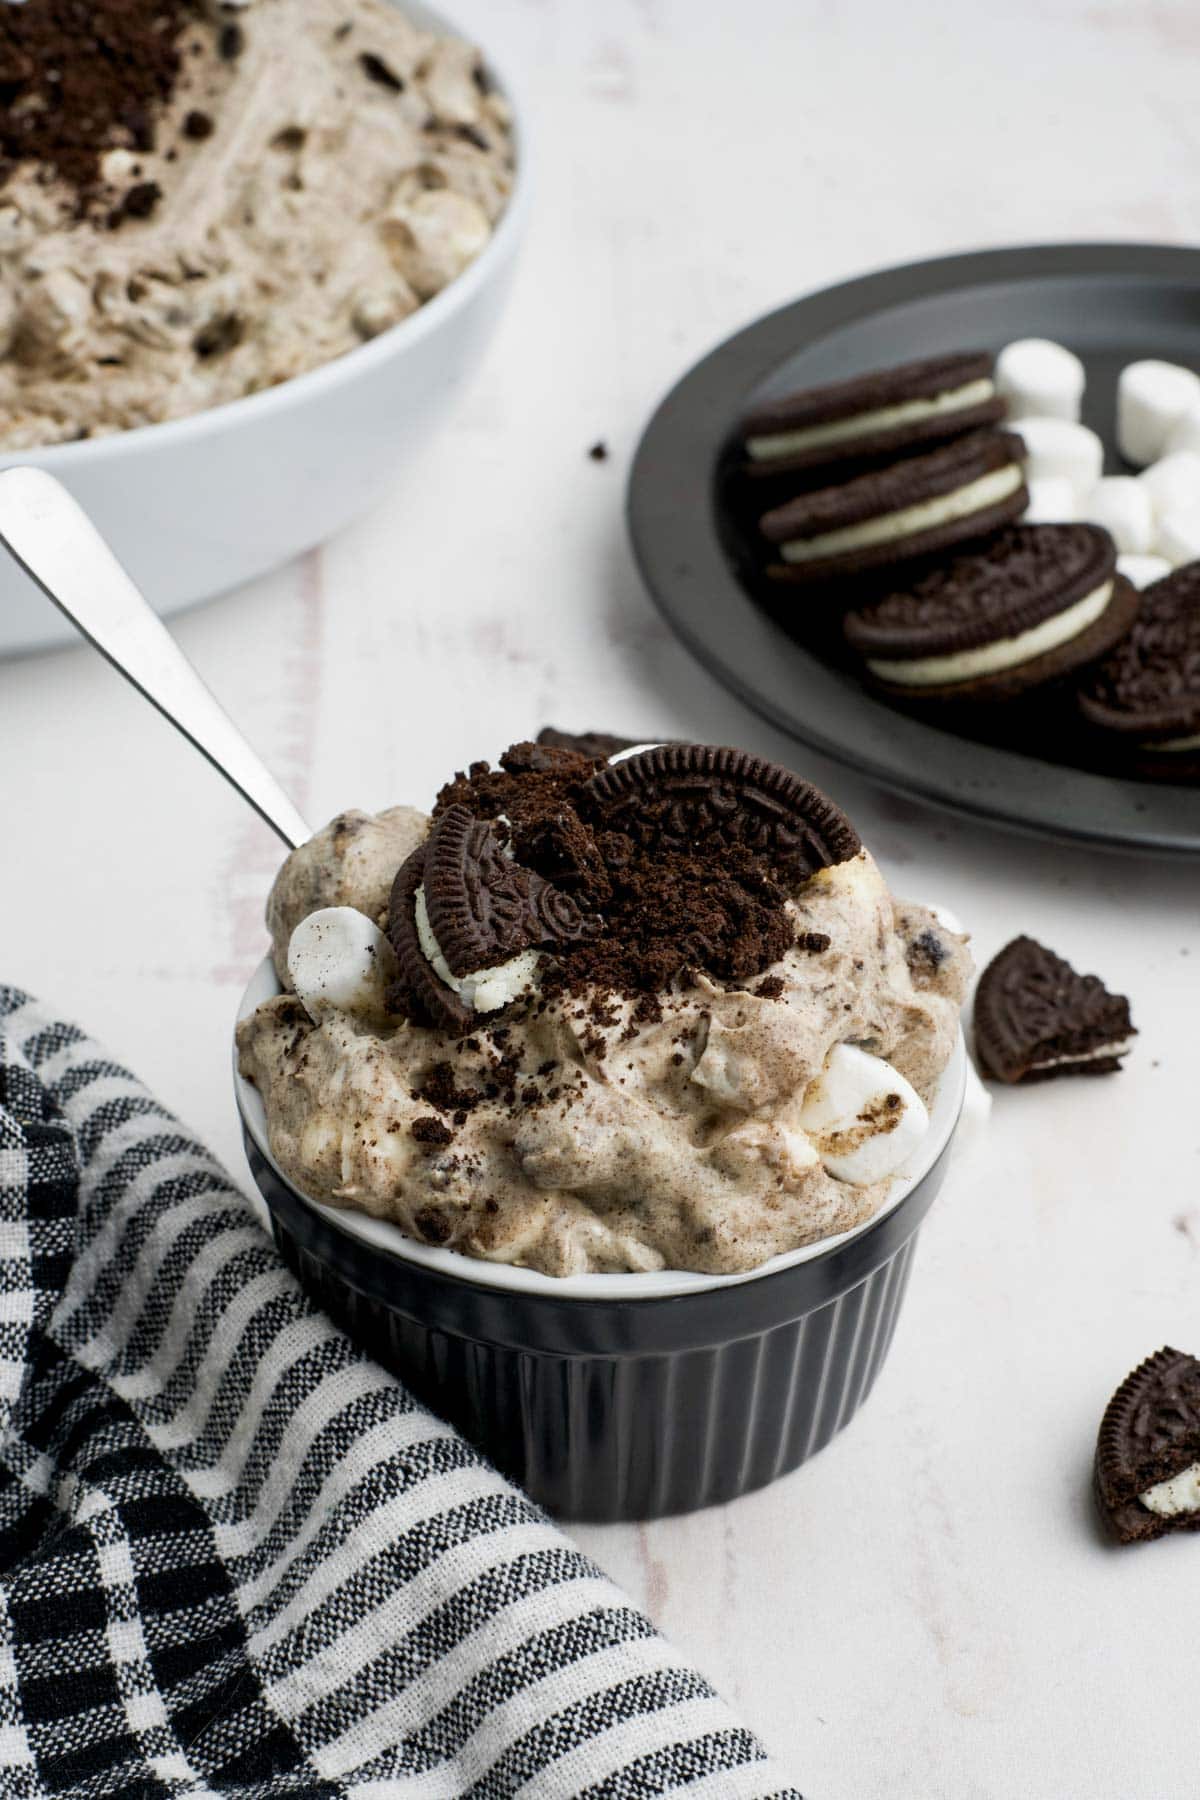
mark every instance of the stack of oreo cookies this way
{"type": "Point", "coordinates": [886, 518]}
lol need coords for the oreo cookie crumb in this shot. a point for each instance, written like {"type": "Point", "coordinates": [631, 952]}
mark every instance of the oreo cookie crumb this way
{"type": "Point", "coordinates": [813, 943]}
{"type": "Point", "coordinates": [471, 134]}
{"type": "Point", "coordinates": [431, 1131]}
{"type": "Point", "coordinates": [231, 42]}
{"type": "Point", "coordinates": [599, 451]}
{"type": "Point", "coordinates": [769, 988]}
{"type": "Point", "coordinates": [198, 126]}
{"type": "Point", "coordinates": [138, 203]}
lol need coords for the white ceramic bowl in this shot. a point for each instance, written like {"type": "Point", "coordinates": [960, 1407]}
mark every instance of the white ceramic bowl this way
{"type": "Point", "coordinates": [381, 1234]}
{"type": "Point", "coordinates": [196, 506]}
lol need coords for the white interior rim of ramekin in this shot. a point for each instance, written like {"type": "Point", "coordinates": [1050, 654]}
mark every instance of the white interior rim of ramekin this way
{"type": "Point", "coordinates": [381, 1234]}
{"type": "Point", "coordinates": [352, 363]}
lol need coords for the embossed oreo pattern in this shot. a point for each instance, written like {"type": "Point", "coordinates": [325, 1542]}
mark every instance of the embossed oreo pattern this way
{"type": "Point", "coordinates": [1150, 685]}
{"type": "Point", "coordinates": [1027, 574]}
{"type": "Point", "coordinates": [692, 796]}
{"type": "Point", "coordinates": [1031, 1005]}
{"type": "Point", "coordinates": [483, 906]}
{"type": "Point", "coordinates": [1150, 1432]}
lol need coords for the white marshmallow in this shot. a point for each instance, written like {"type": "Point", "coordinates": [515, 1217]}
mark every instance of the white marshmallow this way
{"type": "Point", "coordinates": [1057, 447]}
{"type": "Point", "coordinates": [1152, 398]}
{"type": "Point", "coordinates": [1179, 537]}
{"type": "Point", "coordinates": [1185, 435]}
{"type": "Point", "coordinates": [1052, 501]}
{"type": "Point", "coordinates": [1173, 483]}
{"type": "Point", "coordinates": [1125, 508]}
{"type": "Point", "coordinates": [1040, 379]}
{"type": "Point", "coordinates": [339, 959]}
{"type": "Point", "coordinates": [860, 1093]}
{"type": "Point", "coordinates": [1142, 570]}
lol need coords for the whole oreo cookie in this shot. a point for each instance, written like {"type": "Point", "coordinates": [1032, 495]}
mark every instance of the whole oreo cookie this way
{"type": "Point", "coordinates": [1146, 695]}
{"type": "Point", "coordinates": [485, 908]}
{"type": "Point", "coordinates": [914, 508]}
{"type": "Point", "coordinates": [881, 414]}
{"type": "Point", "coordinates": [696, 796]}
{"type": "Point", "coordinates": [1147, 1470]}
{"type": "Point", "coordinates": [1035, 1017]}
{"type": "Point", "coordinates": [1033, 604]}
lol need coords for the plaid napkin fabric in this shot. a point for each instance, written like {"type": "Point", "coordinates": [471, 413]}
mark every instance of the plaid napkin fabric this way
{"type": "Point", "coordinates": [236, 1557]}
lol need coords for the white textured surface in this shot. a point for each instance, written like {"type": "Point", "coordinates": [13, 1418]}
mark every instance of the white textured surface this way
{"type": "Point", "coordinates": [964, 1635]}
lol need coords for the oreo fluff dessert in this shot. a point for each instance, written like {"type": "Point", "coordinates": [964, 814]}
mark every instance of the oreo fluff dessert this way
{"type": "Point", "coordinates": [603, 1014]}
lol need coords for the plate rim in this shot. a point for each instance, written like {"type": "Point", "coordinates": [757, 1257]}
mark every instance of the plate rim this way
{"type": "Point", "coordinates": [670, 441]}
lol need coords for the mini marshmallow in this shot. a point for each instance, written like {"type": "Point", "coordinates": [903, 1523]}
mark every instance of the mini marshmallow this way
{"type": "Point", "coordinates": [338, 959]}
{"type": "Point", "coordinates": [1179, 537]}
{"type": "Point", "coordinates": [1052, 501]}
{"type": "Point", "coordinates": [1142, 570]}
{"type": "Point", "coordinates": [1057, 447]}
{"type": "Point", "coordinates": [1152, 398]}
{"type": "Point", "coordinates": [1040, 379]}
{"type": "Point", "coordinates": [1186, 434]}
{"type": "Point", "coordinates": [1173, 483]}
{"type": "Point", "coordinates": [864, 1118]}
{"type": "Point", "coordinates": [1125, 508]}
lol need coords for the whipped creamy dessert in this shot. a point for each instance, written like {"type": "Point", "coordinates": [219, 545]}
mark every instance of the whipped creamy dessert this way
{"type": "Point", "coordinates": [659, 1011]}
{"type": "Point", "coordinates": [217, 197]}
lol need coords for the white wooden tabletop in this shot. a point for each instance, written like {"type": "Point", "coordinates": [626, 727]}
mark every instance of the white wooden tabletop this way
{"type": "Point", "coordinates": [927, 1609]}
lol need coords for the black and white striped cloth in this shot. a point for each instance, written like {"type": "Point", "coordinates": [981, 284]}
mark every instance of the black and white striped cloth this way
{"type": "Point", "coordinates": [236, 1557]}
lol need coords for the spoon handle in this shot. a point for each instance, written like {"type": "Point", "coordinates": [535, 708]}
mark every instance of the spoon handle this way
{"type": "Point", "coordinates": [56, 543]}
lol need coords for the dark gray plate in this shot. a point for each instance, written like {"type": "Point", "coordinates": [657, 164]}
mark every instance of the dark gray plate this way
{"type": "Point", "coordinates": [1111, 303]}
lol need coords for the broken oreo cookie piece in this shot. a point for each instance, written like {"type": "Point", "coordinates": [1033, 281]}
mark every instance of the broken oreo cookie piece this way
{"type": "Point", "coordinates": [484, 907]}
{"type": "Point", "coordinates": [1147, 1470]}
{"type": "Point", "coordinates": [685, 797]}
{"type": "Point", "coordinates": [464, 919]}
{"type": "Point", "coordinates": [1036, 1017]}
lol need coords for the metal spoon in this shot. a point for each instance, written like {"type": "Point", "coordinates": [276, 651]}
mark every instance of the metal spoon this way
{"type": "Point", "coordinates": [56, 543]}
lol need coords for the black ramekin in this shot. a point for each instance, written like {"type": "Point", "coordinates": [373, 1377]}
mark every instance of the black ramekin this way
{"type": "Point", "coordinates": [608, 1409]}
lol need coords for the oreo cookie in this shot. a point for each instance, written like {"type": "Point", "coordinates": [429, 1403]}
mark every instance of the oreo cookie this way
{"type": "Point", "coordinates": [1147, 1470]}
{"type": "Point", "coordinates": [482, 909]}
{"type": "Point", "coordinates": [1036, 1018]}
{"type": "Point", "coordinates": [915, 508]}
{"type": "Point", "coordinates": [882, 414]}
{"type": "Point", "coordinates": [1031, 606]}
{"type": "Point", "coordinates": [687, 797]}
{"type": "Point", "coordinates": [1145, 697]}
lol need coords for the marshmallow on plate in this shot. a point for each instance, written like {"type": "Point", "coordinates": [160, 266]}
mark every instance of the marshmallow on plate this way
{"type": "Point", "coordinates": [1052, 501]}
{"type": "Point", "coordinates": [1125, 508]}
{"type": "Point", "coordinates": [1040, 379]}
{"type": "Point", "coordinates": [1152, 397]}
{"type": "Point", "coordinates": [1143, 570]}
{"type": "Point", "coordinates": [863, 1117]}
{"type": "Point", "coordinates": [1173, 482]}
{"type": "Point", "coordinates": [1185, 435]}
{"type": "Point", "coordinates": [1179, 537]}
{"type": "Point", "coordinates": [339, 960]}
{"type": "Point", "coordinates": [1057, 447]}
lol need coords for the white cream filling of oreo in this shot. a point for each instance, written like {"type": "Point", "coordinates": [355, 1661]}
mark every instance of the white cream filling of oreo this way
{"type": "Point", "coordinates": [1181, 743]}
{"type": "Point", "coordinates": [1005, 653]}
{"type": "Point", "coordinates": [483, 990]}
{"type": "Point", "coordinates": [925, 515]}
{"type": "Point", "coordinates": [1180, 1494]}
{"type": "Point", "coordinates": [763, 447]}
{"type": "Point", "coordinates": [1120, 1048]}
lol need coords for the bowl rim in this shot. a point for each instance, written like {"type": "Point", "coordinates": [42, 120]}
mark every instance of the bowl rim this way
{"type": "Point", "coordinates": [381, 1235]}
{"type": "Point", "coordinates": [165, 434]}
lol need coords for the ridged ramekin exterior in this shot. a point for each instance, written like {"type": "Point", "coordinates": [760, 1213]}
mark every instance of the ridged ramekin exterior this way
{"type": "Point", "coordinates": [610, 1409]}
